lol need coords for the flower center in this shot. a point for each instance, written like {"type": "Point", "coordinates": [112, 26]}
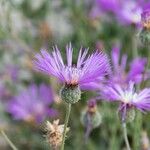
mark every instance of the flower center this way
{"type": "Point", "coordinates": [127, 97]}
{"type": "Point", "coordinates": [72, 75]}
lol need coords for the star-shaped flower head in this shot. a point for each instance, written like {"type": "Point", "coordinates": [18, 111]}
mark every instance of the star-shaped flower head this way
{"type": "Point", "coordinates": [86, 70]}
{"type": "Point", "coordinates": [128, 97]}
{"type": "Point", "coordinates": [33, 104]}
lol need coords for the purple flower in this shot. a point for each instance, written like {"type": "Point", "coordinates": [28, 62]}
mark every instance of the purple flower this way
{"type": "Point", "coordinates": [119, 73]}
{"type": "Point", "coordinates": [33, 104]}
{"type": "Point", "coordinates": [136, 71]}
{"type": "Point", "coordinates": [108, 5]}
{"type": "Point", "coordinates": [127, 96]}
{"type": "Point", "coordinates": [86, 70]}
{"type": "Point", "coordinates": [130, 12]}
{"type": "Point", "coordinates": [145, 17]}
{"type": "Point", "coordinates": [126, 12]}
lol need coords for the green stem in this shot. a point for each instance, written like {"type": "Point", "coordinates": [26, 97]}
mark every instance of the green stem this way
{"type": "Point", "coordinates": [66, 123]}
{"type": "Point", "coordinates": [8, 141]}
{"type": "Point", "coordinates": [137, 127]}
{"type": "Point", "coordinates": [146, 68]}
{"type": "Point", "coordinates": [125, 136]}
{"type": "Point", "coordinates": [134, 45]}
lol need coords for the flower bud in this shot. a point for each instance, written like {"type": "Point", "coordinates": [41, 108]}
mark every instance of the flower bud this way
{"type": "Point", "coordinates": [145, 37]}
{"type": "Point", "coordinates": [70, 93]}
{"type": "Point", "coordinates": [145, 32]}
{"type": "Point", "coordinates": [145, 17]}
{"type": "Point", "coordinates": [91, 116]}
{"type": "Point", "coordinates": [129, 116]}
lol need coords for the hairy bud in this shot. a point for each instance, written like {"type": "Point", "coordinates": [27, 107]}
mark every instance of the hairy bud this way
{"type": "Point", "coordinates": [129, 115]}
{"type": "Point", "coordinates": [145, 32]}
{"type": "Point", "coordinates": [145, 37]}
{"type": "Point", "coordinates": [70, 93]}
{"type": "Point", "coordinates": [91, 116]}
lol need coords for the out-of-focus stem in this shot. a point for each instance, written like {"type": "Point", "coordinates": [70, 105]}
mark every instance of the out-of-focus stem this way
{"type": "Point", "coordinates": [125, 136]}
{"type": "Point", "coordinates": [66, 123]}
{"type": "Point", "coordinates": [146, 68]}
{"type": "Point", "coordinates": [8, 140]}
{"type": "Point", "coordinates": [138, 121]}
{"type": "Point", "coordinates": [137, 126]}
{"type": "Point", "coordinates": [135, 45]}
{"type": "Point", "coordinates": [135, 50]}
{"type": "Point", "coordinates": [88, 130]}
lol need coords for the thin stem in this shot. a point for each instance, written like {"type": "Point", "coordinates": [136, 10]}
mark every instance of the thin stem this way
{"type": "Point", "coordinates": [137, 130]}
{"type": "Point", "coordinates": [8, 141]}
{"type": "Point", "coordinates": [66, 123]}
{"type": "Point", "coordinates": [125, 136]}
{"type": "Point", "coordinates": [146, 69]}
{"type": "Point", "coordinates": [88, 129]}
{"type": "Point", "coordinates": [135, 45]}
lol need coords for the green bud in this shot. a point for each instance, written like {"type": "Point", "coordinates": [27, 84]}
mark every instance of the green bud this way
{"type": "Point", "coordinates": [130, 115]}
{"type": "Point", "coordinates": [70, 93]}
{"type": "Point", "coordinates": [145, 37]}
{"type": "Point", "coordinates": [94, 119]}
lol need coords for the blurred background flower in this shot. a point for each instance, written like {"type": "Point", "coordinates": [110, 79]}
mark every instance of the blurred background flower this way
{"type": "Point", "coordinates": [33, 104]}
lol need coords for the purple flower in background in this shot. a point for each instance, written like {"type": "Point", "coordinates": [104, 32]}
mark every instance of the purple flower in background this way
{"type": "Point", "coordinates": [145, 17]}
{"type": "Point", "coordinates": [86, 70]}
{"type": "Point", "coordinates": [108, 5]}
{"type": "Point", "coordinates": [127, 97]}
{"type": "Point", "coordinates": [97, 84]}
{"type": "Point", "coordinates": [33, 104]}
{"type": "Point", "coordinates": [119, 72]}
{"type": "Point", "coordinates": [136, 71]}
{"type": "Point", "coordinates": [130, 12]}
{"type": "Point", "coordinates": [126, 12]}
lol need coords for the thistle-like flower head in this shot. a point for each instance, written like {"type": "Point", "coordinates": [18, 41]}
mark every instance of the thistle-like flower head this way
{"type": "Point", "coordinates": [32, 105]}
{"type": "Point", "coordinates": [128, 96]}
{"type": "Point", "coordinates": [119, 73]}
{"type": "Point", "coordinates": [145, 17]}
{"type": "Point", "coordinates": [86, 70]}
